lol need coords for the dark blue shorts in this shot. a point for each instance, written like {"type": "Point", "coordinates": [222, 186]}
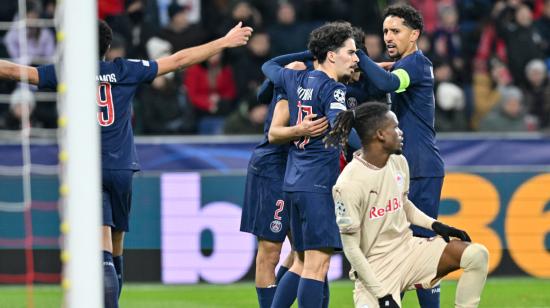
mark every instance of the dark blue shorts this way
{"type": "Point", "coordinates": [313, 221]}
{"type": "Point", "coordinates": [425, 193]}
{"type": "Point", "coordinates": [265, 212]}
{"type": "Point", "coordinates": [117, 198]}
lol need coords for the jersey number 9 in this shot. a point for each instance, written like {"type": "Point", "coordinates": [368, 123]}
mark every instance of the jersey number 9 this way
{"type": "Point", "coordinates": [106, 113]}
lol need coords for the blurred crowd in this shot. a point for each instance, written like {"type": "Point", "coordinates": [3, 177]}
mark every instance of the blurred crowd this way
{"type": "Point", "coordinates": [490, 59]}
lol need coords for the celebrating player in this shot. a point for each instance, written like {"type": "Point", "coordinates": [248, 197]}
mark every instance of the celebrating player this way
{"type": "Point", "coordinates": [374, 213]}
{"type": "Point", "coordinates": [117, 84]}
{"type": "Point", "coordinates": [311, 168]}
{"type": "Point", "coordinates": [265, 212]}
{"type": "Point", "coordinates": [411, 84]}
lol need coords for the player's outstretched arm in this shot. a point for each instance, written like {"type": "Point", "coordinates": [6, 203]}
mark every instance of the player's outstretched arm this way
{"type": "Point", "coordinates": [238, 36]}
{"type": "Point", "coordinates": [281, 132]}
{"type": "Point", "coordinates": [12, 71]}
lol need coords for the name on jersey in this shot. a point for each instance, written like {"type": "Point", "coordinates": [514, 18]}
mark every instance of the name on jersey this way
{"type": "Point", "coordinates": [378, 212]}
{"type": "Point", "coordinates": [305, 94]}
{"type": "Point", "coordinates": [106, 78]}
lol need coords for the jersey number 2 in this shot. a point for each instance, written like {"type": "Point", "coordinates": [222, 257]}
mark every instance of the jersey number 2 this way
{"type": "Point", "coordinates": [303, 111]}
{"type": "Point", "coordinates": [106, 113]}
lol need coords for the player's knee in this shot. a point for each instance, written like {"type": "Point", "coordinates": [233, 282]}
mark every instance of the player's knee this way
{"type": "Point", "coordinates": [475, 257]}
{"type": "Point", "coordinates": [268, 255]}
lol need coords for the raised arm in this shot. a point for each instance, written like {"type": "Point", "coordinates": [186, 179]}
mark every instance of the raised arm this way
{"type": "Point", "coordinates": [12, 71]}
{"type": "Point", "coordinates": [281, 132]}
{"type": "Point", "coordinates": [238, 36]}
{"type": "Point", "coordinates": [383, 80]}
{"type": "Point", "coordinates": [272, 68]}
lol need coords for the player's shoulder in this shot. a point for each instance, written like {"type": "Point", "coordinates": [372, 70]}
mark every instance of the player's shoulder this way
{"type": "Point", "coordinates": [416, 60]}
{"type": "Point", "coordinates": [399, 160]}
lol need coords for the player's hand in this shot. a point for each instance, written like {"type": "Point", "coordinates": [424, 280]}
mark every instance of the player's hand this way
{"type": "Point", "coordinates": [387, 302]}
{"type": "Point", "coordinates": [238, 36]}
{"type": "Point", "coordinates": [313, 128]}
{"type": "Point", "coordinates": [385, 65]}
{"type": "Point", "coordinates": [447, 231]}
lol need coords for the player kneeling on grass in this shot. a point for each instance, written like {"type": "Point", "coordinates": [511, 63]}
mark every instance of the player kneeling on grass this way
{"type": "Point", "coordinates": [374, 213]}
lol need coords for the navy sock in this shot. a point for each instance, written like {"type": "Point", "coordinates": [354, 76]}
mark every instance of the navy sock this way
{"type": "Point", "coordinates": [310, 293]}
{"type": "Point", "coordinates": [265, 296]}
{"type": "Point", "coordinates": [286, 290]}
{"type": "Point", "coordinates": [110, 281]}
{"type": "Point", "coordinates": [282, 270]}
{"type": "Point", "coordinates": [428, 298]}
{"type": "Point", "coordinates": [326, 293]}
{"type": "Point", "coordinates": [118, 261]}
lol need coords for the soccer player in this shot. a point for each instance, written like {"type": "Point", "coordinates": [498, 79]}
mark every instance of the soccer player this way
{"type": "Point", "coordinates": [312, 169]}
{"type": "Point", "coordinates": [374, 213]}
{"type": "Point", "coordinates": [117, 83]}
{"type": "Point", "coordinates": [265, 212]}
{"type": "Point", "coordinates": [410, 83]}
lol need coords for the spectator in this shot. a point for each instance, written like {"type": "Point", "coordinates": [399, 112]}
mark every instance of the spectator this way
{"type": "Point", "coordinates": [247, 119]}
{"type": "Point", "coordinates": [287, 35]}
{"type": "Point", "coordinates": [537, 93]}
{"type": "Point", "coordinates": [450, 101]}
{"type": "Point", "coordinates": [247, 67]}
{"type": "Point", "coordinates": [508, 115]}
{"type": "Point", "coordinates": [164, 108]}
{"type": "Point", "coordinates": [40, 42]}
{"type": "Point", "coordinates": [543, 28]}
{"type": "Point", "coordinates": [136, 25]}
{"type": "Point", "coordinates": [179, 32]}
{"type": "Point", "coordinates": [488, 87]}
{"type": "Point", "coordinates": [523, 43]}
{"type": "Point", "coordinates": [211, 87]}
{"type": "Point", "coordinates": [446, 39]}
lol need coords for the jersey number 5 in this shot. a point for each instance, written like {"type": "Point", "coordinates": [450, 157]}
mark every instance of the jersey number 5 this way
{"type": "Point", "coordinates": [303, 111]}
{"type": "Point", "coordinates": [106, 113]}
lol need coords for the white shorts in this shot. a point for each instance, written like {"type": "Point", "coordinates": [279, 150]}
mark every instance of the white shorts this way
{"type": "Point", "coordinates": [417, 270]}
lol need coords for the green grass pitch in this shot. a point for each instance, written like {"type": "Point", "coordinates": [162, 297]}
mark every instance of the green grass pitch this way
{"type": "Point", "coordinates": [499, 292]}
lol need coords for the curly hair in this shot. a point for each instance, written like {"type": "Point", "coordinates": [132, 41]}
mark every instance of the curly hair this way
{"type": "Point", "coordinates": [366, 118]}
{"type": "Point", "coordinates": [328, 37]}
{"type": "Point", "coordinates": [410, 15]}
{"type": "Point", "coordinates": [105, 36]}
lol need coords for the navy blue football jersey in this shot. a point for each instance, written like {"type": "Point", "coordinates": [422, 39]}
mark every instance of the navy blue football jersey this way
{"type": "Point", "coordinates": [362, 91]}
{"type": "Point", "coordinates": [311, 166]}
{"type": "Point", "coordinates": [268, 159]}
{"type": "Point", "coordinates": [414, 106]}
{"type": "Point", "coordinates": [117, 84]}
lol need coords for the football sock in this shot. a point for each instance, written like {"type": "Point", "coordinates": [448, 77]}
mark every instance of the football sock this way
{"type": "Point", "coordinates": [265, 296]}
{"type": "Point", "coordinates": [428, 298]}
{"type": "Point", "coordinates": [310, 293]}
{"type": "Point", "coordinates": [282, 270]}
{"type": "Point", "coordinates": [474, 261]}
{"type": "Point", "coordinates": [118, 261]}
{"type": "Point", "coordinates": [286, 290]}
{"type": "Point", "coordinates": [326, 293]}
{"type": "Point", "coordinates": [110, 281]}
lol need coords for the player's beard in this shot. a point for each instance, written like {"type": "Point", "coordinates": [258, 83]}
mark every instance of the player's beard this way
{"type": "Point", "coordinates": [398, 152]}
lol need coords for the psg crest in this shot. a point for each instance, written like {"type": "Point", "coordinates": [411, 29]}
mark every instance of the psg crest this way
{"type": "Point", "coordinates": [276, 226]}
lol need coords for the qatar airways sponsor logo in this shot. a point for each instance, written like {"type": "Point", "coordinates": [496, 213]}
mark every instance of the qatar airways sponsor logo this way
{"type": "Point", "coordinates": [393, 205]}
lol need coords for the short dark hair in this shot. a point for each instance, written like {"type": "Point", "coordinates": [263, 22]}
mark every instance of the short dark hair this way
{"type": "Point", "coordinates": [359, 38]}
{"type": "Point", "coordinates": [410, 15]}
{"type": "Point", "coordinates": [366, 118]}
{"type": "Point", "coordinates": [328, 37]}
{"type": "Point", "coordinates": [105, 37]}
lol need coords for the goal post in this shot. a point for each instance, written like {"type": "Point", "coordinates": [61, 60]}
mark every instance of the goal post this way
{"type": "Point", "coordinates": [79, 153]}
